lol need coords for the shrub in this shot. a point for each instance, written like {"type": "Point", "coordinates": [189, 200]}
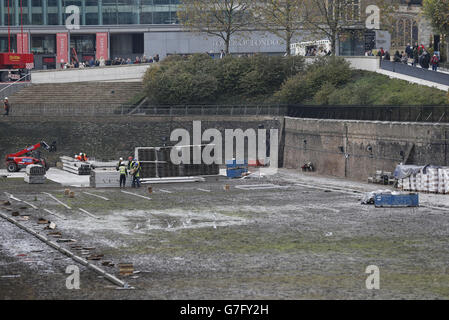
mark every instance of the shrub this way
{"type": "Point", "coordinates": [303, 86]}
{"type": "Point", "coordinates": [265, 75]}
{"type": "Point", "coordinates": [198, 79]}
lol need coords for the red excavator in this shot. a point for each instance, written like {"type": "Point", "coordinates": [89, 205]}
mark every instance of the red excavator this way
{"type": "Point", "coordinates": [27, 156]}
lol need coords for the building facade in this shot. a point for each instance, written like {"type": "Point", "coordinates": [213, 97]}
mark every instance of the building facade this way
{"type": "Point", "coordinates": [130, 28]}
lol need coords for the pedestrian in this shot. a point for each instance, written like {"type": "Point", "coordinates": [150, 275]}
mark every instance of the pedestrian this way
{"type": "Point", "coordinates": [222, 54]}
{"type": "Point", "coordinates": [381, 52]}
{"type": "Point", "coordinates": [397, 57]}
{"type": "Point", "coordinates": [409, 51]}
{"type": "Point", "coordinates": [123, 174]}
{"type": "Point", "coordinates": [130, 163]}
{"type": "Point", "coordinates": [136, 174]}
{"type": "Point", "coordinates": [387, 56]}
{"type": "Point", "coordinates": [6, 106]}
{"type": "Point", "coordinates": [120, 161]}
{"type": "Point", "coordinates": [434, 62]}
{"type": "Point", "coordinates": [424, 59]}
{"type": "Point", "coordinates": [415, 56]}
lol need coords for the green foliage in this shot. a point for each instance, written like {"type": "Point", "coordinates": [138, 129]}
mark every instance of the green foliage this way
{"type": "Point", "coordinates": [199, 79]}
{"type": "Point", "coordinates": [302, 87]}
{"type": "Point", "coordinates": [181, 81]}
{"type": "Point", "coordinates": [375, 89]}
{"type": "Point", "coordinates": [437, 11]}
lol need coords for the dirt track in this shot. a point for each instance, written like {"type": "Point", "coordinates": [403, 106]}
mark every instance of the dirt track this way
{"type": "Point", "coordinates": [288, 242]}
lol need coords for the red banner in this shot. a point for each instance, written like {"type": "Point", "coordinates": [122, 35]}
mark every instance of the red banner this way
{"type": "Point", "coordinates": [22, 43]}
{"type": "Point", "coordinates": [102, 46]}
{"type": "Point", "coordinates": [62, 51]}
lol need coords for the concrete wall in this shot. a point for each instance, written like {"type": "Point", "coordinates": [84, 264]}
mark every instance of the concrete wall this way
{"type": "Point", "coordinates": [112, 73]}
{"type": "Point", "coordinates": [179, 42]}
{"type": "Point", "coordinates": [356, 62]}
{"type": "Point", "coordinates": [109, 138]}
{"type": "Point", "coordinates": [320, 141]}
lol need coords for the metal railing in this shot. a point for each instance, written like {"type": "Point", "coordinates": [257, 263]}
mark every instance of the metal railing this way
{"type": "Point", "coordinates": [159, 110]}
{"type": "Point", "coordinates": [212, 110]}
{"type": "Point", "coordinates": [369, 113]}
{"type": "Point", "coordinates": [68, 110]}
{"type": "Point", "coordinates": [373, 113]}
{"type": "Point", "coordinates": [18, 85]}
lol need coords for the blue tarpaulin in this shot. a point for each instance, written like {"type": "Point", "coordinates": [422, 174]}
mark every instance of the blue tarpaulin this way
{"type": "Point", "coordinates": [403, 171]}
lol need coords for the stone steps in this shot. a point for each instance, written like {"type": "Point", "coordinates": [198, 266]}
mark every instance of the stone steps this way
{"type": "Point", "coordinates": [87, 93]}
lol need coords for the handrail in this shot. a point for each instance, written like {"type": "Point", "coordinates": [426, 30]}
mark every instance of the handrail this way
{"type": "Point", "coordinates": [3, 89]}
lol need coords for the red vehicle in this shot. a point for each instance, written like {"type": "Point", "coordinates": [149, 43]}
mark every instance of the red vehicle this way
{"type": "Point", "coordinates": [13, 66]}
{"type": "Point", "coordinates": [23, 158]}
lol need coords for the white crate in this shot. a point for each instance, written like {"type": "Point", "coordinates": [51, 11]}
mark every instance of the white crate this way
{"type": "Point", "coordinates": [413, 182]}
{"type": "Point", "coordinates": [432, 177]}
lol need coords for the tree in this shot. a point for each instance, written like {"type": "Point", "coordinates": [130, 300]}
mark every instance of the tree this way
{"type": "Point", "coordinates": [437, 11]}
{"type": "Point", "coordinates": [280, 17]}
{"type": "Point", "coordinates": [330, 18]}
{"type": "Point", "coordinates": [221, 18]}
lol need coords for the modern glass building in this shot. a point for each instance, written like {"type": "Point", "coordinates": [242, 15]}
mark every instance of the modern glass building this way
{"type": "Point", "coordinates": [120, 24]}
{"type": "Point", "coordinates": [100, 12]}
{"type": "Point", "coordinates": [130, 28]}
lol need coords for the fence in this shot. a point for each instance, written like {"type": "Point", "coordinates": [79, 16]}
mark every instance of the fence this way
{"type": "Point", "coordinates": [369, 113]}
{"type": "Point", "coordinates": [373, 113]}
{"type": "Point", "coordinates": [214, 110]}
{"type": "Point", "coordinates": [417, 72]}
{"type": "Point", "coordinates": [165, 110]}
{"type": "Point", "coordinates": [68, 110]}
{"type": "Point", "coordinates": [8, 89]}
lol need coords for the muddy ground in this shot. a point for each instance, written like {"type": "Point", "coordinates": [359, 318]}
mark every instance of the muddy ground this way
{"type": "Point", "coordinates": [200, 241]}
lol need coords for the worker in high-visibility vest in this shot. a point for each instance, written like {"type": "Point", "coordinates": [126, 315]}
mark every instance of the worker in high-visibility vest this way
{"type": "Point", "coordinates": [136, 174]}
{"type": "Point", "coordinates": [130, 163]}
{"type": "Point", "coordinates": [123, 174]}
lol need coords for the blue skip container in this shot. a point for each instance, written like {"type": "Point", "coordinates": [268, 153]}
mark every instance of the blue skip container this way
{"type": "Point", "coordinates": [387, 200]}
{"type": "Point", "coordinates": [236, 169]}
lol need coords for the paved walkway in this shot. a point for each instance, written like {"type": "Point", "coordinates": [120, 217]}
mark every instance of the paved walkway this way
{"type": "Point", "coordinates": [396, 75]}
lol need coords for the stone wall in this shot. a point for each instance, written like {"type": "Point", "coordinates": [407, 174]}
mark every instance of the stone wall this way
{"type": "Point", "coordinates": [108, 138]}
{"type": "Point", "coordinates": [356, 149]}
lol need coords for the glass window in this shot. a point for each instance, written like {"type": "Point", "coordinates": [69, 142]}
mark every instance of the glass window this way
{"type": "Point", "coordinates": [4, 43]}
{"type": "Point", "coordinates": [43, 44]}
{"type": "Point", "coordinates": [83, 44]}
{"type": "Point", "coordinates": [113, 12]}
{"type": "Point", "coordinates": [53, 13]}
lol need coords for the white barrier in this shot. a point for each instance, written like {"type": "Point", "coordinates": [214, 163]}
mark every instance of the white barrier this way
{"type": "Point", "coordinates": [105, 74]}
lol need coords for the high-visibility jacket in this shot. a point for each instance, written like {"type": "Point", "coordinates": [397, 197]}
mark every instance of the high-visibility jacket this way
{"type": "Point", "coordinates": [122, 170]}
{"type": "Point", "coordinates": [136, 168]}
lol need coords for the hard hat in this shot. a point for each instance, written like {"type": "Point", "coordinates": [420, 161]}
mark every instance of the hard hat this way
{"type": "Point", "coordinates": [81, 153]}
{"type": "Point", "coordinates": [6, 98]}
{"type": "Point", "coordinates": [130, 158]}
{"type": "Point", "coordinates": [121, 159]}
